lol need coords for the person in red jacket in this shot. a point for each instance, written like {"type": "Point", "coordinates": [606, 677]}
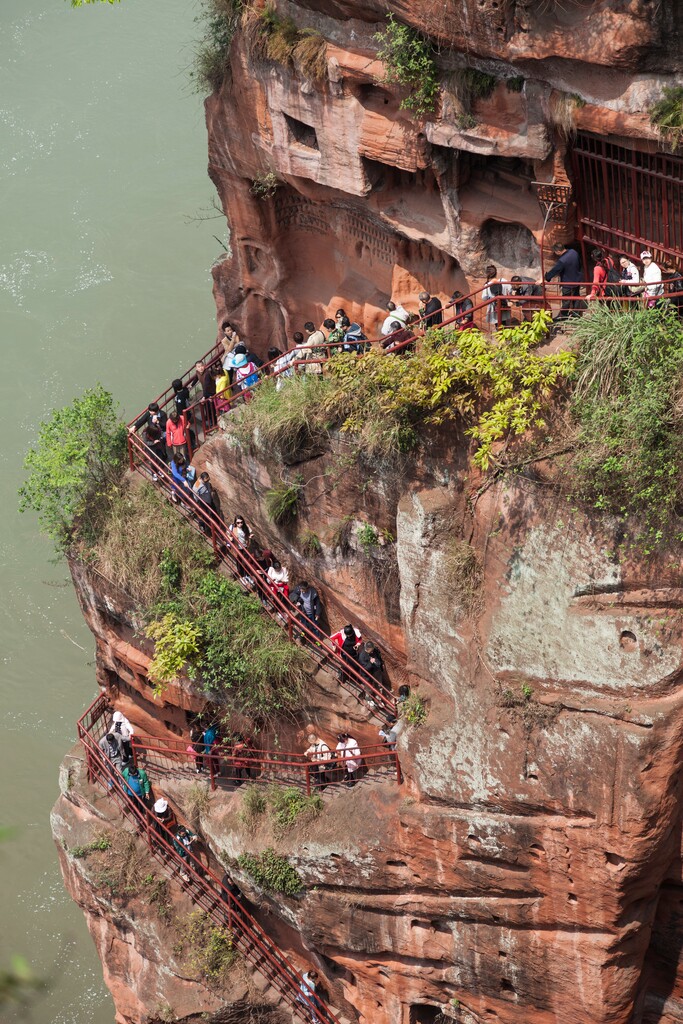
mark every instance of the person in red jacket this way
{"type": "Point", "coordinates": [603, 265]}
{"type": "Point", "coordinates": [176, 434]}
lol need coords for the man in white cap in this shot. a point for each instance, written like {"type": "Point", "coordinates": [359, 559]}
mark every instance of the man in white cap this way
{"type": "Point", "coordinates": [652, 278]}
{"type": "Point", "coordinates": [122, 728]}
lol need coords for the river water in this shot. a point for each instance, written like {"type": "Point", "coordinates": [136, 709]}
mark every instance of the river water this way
{"type": "Point", "coordinates": [102, 278]}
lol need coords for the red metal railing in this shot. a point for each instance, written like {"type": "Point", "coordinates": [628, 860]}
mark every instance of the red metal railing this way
{"type": "Point", "coordinates": [204, 887]}
{"type": "Point", "coordinates": [252, 579]}
{"type": "Point", "coordinates": [227, 770]}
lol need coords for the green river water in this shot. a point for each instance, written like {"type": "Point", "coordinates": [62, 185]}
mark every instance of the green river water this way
{"type": "Point", "coordinates": [102, 278]}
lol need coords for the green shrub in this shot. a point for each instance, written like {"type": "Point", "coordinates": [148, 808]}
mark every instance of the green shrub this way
{"type": "Point", "coordinates": [667, 114]}
{"type": "Point", "coordinates": [627, 404]}
{"type": "Point", "coordinates": [289, 805]}
{"type": "Point", "coordinates": [285, 423]}
{"type": "Point", "coordinates": [242, 659]}
{"type": "Point", "coordinates": [212, 950]}
{"type": "Point", "coordinates": [271, 872]}
{"type": "Point", "coordinates": [499, 386]}
{"type": "Point", "coordinates": [408, 58]}
{"type": "Point", "coordinates": [77, 462]}
{"type": "Point", "coordinates": [212, 56]}
{"type": "Point", "coordinates": [176, 647]}
{"type": "Point", "coordinates": [98, 844]}
{"type": "Point", "coordinates": [282, 501]}
{"type": "Point", "coordinates": [414, 710]}
{"type": "Point", "coordinates": [367, 537]}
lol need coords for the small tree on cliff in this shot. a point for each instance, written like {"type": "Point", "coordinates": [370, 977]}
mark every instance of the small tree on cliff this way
{"type": "Point", "coordinates": [77, 460]}
{"type": "Point", "coordinates": [408, 58]}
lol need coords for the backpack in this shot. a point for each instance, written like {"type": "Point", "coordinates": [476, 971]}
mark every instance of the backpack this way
{"type": "Point", "coordinates": [246, 375]}
{"type": "Point", "coordinates": [613, 280]}
{"type": "Point", "coordinates": [496, 290]}
{"type": "Point", "coordinates": [135, 784]}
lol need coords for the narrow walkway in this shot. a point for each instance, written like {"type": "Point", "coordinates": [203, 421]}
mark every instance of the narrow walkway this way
{"type": "Point", "coordinates": [203, 886]}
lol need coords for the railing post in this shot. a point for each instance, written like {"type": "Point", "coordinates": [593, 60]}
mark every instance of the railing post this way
{"type": "Point", "coordinates": [399, 776]}
{"type": "Point", "coordinates": [214, 544]}
{"type": "Point", "coordinates": [131, 459]}
{"type": "Point", "coordinates": [212, 773]}
{"type": "Point", "coordinates": [308, 780]}
{"type": "Point", "coordinates": [290, 626]}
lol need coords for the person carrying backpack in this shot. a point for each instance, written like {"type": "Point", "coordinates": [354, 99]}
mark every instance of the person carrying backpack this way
{"type": "Point", "coordinates": [246, 374]}
{"type": "Point", "coordinates": [606, 278]}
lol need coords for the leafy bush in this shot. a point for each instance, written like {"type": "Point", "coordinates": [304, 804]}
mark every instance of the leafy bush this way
{"type": "Point", "coordinates": [282, 501]}
{"type": "Point", "coordinates": [289, 805]}
{"type": "Point", "coordinates": [78, 460]}
{"type": "Point", "coordinates": [627, 403]}
{"type": "Point", "coordinates": [414, 710]}
{"type": "Point", "coordinates": [145, 547]}
{"type": "Point", "coordinates": [667, 114]}
{"type": "Point", "coordinates": [499, 386]}
{"type": "Point", "coordinates": [242, 658]}
{"type": "Point", "coordinates": [264, 186]}
{"type": "Point", "coordinates": [176, 647]}
{"type": "Point", "coordinates": [271, 872]}
{"type": "Point", "coordinates": [212, 950]}
{"type": "Point", "coordinates": [212, 57]}
{"type": "Point", "coordinates": [99, 843]}
{"type": "Point", "coordinates": [408, 58]}
{"type": "Point", "coordinates": [367, 537]}
{"type": "Point", "coordinates": [286, 422]}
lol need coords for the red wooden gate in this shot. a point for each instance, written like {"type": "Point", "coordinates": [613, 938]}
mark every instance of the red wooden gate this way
{"type": "Point", "coordinates": [628, 199]}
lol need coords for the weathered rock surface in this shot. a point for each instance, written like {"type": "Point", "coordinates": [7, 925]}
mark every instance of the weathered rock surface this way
{"type": "Point", "coordinates": [382, 203]}
{"type": "Point", "coordinates": [529, 866]}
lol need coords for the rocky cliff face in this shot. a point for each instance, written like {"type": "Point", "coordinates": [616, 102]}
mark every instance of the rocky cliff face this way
{"type": "Point", "coordinates": [383, 204]}
{"type": "Point", "coordinates": [530, 864]}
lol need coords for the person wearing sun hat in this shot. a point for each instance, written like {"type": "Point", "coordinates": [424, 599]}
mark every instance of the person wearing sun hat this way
{"type": "Point", "coordinates": [652, 277]}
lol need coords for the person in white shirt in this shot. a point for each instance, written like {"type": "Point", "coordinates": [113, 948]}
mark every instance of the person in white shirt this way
{"type": "Point", "coordinates": [396, 313]}
{"type": "Point", "coordinates": [496, 286]}
{"type": "Point", "coordinates": [652, 278]}
{"type": "Point", "coordinates": [122, 728]}
{"type": "Point", "coordinates": [319, 754]}
{"type": "Point", "coordinates": [630, 275]}
{"type": "Point", "coordinates": [278, 577]}
{"type": "Point", "coordinates": [348, 753]}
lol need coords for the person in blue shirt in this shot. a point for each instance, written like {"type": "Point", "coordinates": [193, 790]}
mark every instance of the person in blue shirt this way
{"type": "Point", "coordinates": [567, 268]}
{"type": "Point", "coordinates": [183, 475]}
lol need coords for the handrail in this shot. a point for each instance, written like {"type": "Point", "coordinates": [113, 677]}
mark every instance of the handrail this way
{"type": "Point", "coordinates": [207, 890]}
{"type": "Point", "coordinates": [251, 578]}
{"type": "Point", "coordinates": [281, 768]}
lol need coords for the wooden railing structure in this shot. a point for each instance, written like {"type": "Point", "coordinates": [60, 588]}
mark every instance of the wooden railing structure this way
{"type": "Point", "coordinates": [200, 882]}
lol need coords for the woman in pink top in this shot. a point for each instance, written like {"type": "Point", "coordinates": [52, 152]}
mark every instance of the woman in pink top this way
{"type": "Point", "coordinates": [176, 434]}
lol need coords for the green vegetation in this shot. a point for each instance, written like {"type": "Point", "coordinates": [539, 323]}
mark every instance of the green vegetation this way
{"type": "Point", "coordinates": [498, 386]}
{"type": "Point", "coordinates": [282, 501]}
{"type": "Point", "coordinates": [414, 710]}
{"type": "Point", "coordinates": [289, 805]}
{"type": "Point", "coordinates": [264, 186]}
{"type": "Point", "coordinates": [211, 63]}
{"type": "Point", "coordinates": [271, 872]}
{"type": "Point", "coordinates": [466, 86]}
{"type": "Point", "coordinates": [285, 807]}
{"type": "Point", "coordinates": [211, 948]}
{"type": "Point", "coordinates": [176, 647]}
{"type": "Point", "coordinates": [628, 403]}
{"type": "Point", "coordinates": [667, 114]}
{"type": "Point", "coordinates": [78, 460]}
{"type": "Point", "coordinates": [408, 58]}
{"type": "Point", "coordinates": [367, 537]}
{"type": "Point", "coordinates": [238, 656]}
{"type": "Point", "coordinates": [275, 37]}
{"type": "Point", "coordinates": [310, 544]}
{"type": "Point", "coordinates": [145, 547]}
{"type": "Point", "coordinates": [100, 842]}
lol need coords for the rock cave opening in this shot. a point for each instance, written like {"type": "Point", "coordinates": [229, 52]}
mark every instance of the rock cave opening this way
{"type": "Point", "coordinates": [510, 245]}
{"type": "Point", "coordinates": [424, 1013]}
{"type": "Point", "coordinates": [301, 133]}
